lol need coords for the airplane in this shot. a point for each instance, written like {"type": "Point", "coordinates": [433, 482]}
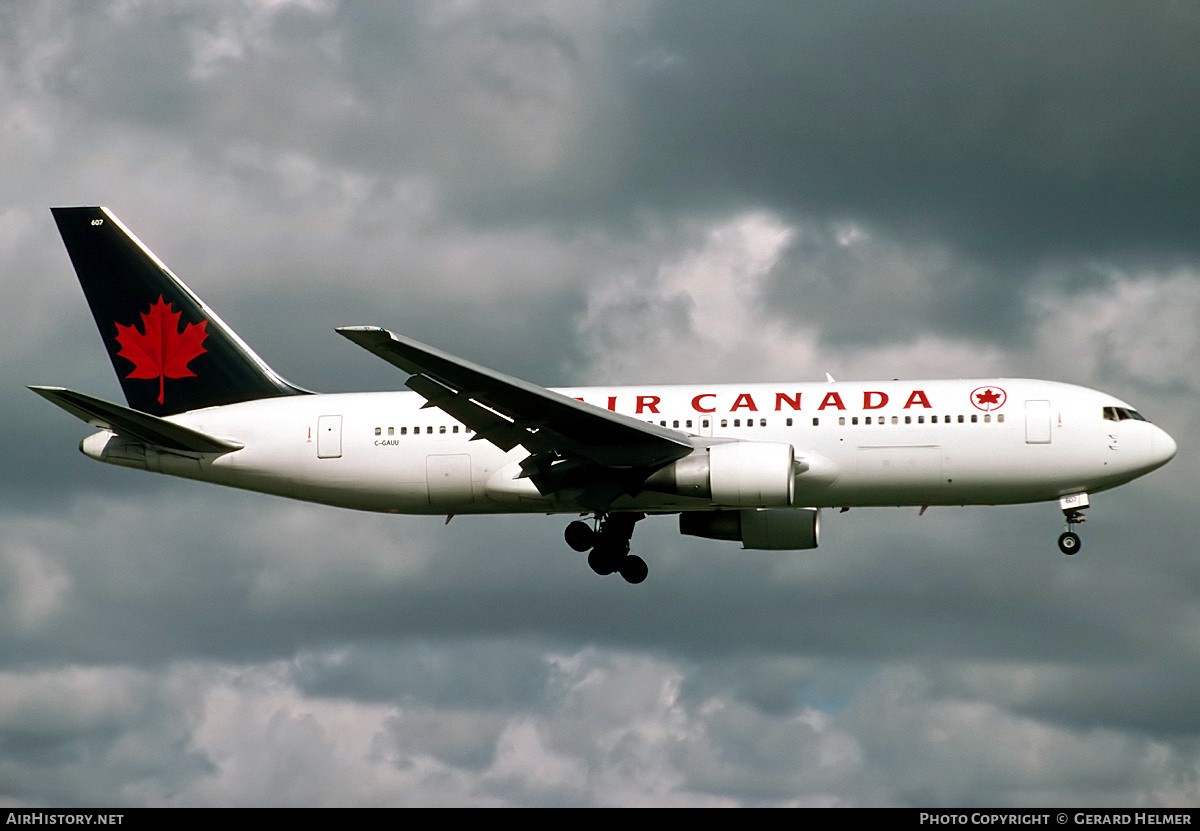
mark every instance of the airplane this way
{"type": "Point", "coordinates": [752, 463]}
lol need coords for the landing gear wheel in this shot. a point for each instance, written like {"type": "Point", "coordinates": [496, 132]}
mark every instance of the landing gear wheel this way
{"type": "Point", "coordinates": [603, 561]}
{"type": "Point", "coordinates": [1069, 543]}
{"type": "Point", "coordinates": [609, 544]}
{"type": "Point", "coordinates": [634, 569]}
{"type": "Point", "coordinates": [580, 536]}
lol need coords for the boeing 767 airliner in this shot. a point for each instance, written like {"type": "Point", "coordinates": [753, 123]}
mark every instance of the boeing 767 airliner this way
{"type": "Point", "coordinates": [753, 463]}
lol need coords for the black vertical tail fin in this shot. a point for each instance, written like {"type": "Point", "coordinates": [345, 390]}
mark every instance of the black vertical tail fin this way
{"type": "Point", "coordinates": [171, 353]}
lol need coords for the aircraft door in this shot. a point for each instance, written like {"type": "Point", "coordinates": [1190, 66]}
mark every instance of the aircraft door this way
{"type": "Point", "coordinates": [329, 437]}
{"type": "Point", "coordinates": [1037, 422]}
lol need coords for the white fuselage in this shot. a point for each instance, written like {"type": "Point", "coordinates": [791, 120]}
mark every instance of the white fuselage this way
{"type": "Point", "coordinates": [856, 444]}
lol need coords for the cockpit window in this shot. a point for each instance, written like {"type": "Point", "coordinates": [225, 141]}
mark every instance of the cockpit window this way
{"type": "Point", "coordinates": [1121, 414]}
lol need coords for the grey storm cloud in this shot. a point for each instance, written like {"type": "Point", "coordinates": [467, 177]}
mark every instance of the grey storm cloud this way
{"type": "Point", "coordinates": [590, 192]}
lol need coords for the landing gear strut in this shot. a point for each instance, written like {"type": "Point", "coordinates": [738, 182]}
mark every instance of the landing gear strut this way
{"type": "Point", "coordinates": [1072, 508]}
{"type": "Point", "coordinates": [608, 544]}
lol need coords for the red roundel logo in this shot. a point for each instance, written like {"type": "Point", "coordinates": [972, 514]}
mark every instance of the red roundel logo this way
{"type": "Point", "coordinates": [988, 398]}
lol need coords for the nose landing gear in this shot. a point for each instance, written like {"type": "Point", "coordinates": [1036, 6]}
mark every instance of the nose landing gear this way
{"type": "Point", "coordinates": [1072, 508]}
{"type": "Point", "coordinates": [609, 545]}
{"type": "Point", "coordinates": [1068, 542]}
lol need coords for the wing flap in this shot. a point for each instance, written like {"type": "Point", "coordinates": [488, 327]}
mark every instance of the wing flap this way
{"type": "Point", "coordinates": [485, 423]}
{"type": "Point", "coordinates": [134, 423]}
{"type": "Point", "coordinates": [508, 411]}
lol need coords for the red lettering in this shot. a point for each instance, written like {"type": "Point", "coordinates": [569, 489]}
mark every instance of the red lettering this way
{"type": "Point", "coordinates": [612, 403]}
{"type": "Point", "coordinates": [868, 398]}
{"type": "Point", "coordinates": [781, 397]}
{"type": "Point", "coordinates": [744, 402]}
{"type": "Point", "coordinates": [918, 397]}
{"type": "Point", "coordinates": [646, 402]}
{"type": "Point", "coordinates": [832, 399]}
{"type": "Point", "coordinates": [696, 403]}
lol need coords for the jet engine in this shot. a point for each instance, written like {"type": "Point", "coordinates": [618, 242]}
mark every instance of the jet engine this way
{"type": "Point", "coordinates": [780, 529]}
{"type": "Point", "coordinates": [741, 474]}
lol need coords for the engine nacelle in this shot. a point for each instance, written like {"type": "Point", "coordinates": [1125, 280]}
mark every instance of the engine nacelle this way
{"type": "Point", "coordinates": [739, 474]}
{"type": "Point", "coordinates": [782, 529]}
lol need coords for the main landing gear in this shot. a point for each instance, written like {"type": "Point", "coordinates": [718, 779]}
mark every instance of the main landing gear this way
{"type": "Point", "coordinates": [1072, 508]}
{"type": "Point", "coordinates": [608, 545]}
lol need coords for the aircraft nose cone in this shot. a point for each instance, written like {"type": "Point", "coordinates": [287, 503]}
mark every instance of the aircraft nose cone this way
{"type": "Point", "coordinates": [1163, 446]}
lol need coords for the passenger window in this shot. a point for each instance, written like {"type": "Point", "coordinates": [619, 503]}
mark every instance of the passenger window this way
{"type": "Point", "coordinates": [391, 431]}
{"type": "Point", "coordinates": [841, 421]}
{"type": "Point", "coordinates": [442, 429]}
{"type": "Point", "coordinates": [974, 418]}
{"type": "Point", "coordinates": [404, 431]}
{"type": "Point", "coordinates": [379, 431]}
{"type": "Point", "coordinates": [789, 422]}
{"type": "Point", "coordinates": [1000, 418]}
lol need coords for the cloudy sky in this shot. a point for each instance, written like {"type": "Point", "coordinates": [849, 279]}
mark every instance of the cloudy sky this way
{"type": "Point", "coordinates": [595, 192]}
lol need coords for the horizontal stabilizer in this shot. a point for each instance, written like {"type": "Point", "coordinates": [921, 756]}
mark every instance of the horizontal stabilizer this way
{"type": "Point", "coordinates": [133, 423]}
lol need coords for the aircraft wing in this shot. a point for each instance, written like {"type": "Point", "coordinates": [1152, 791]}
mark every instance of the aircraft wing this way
{"type": "Point", "coordinates": [508, 411]}
{"type": "Point", "coordinates": [134, 423]}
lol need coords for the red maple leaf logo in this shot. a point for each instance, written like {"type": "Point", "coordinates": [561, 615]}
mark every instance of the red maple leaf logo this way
{"type": "Point", "coordinates": [988, 398]}
{"type": "Point", "coordinates": [161, 350]}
